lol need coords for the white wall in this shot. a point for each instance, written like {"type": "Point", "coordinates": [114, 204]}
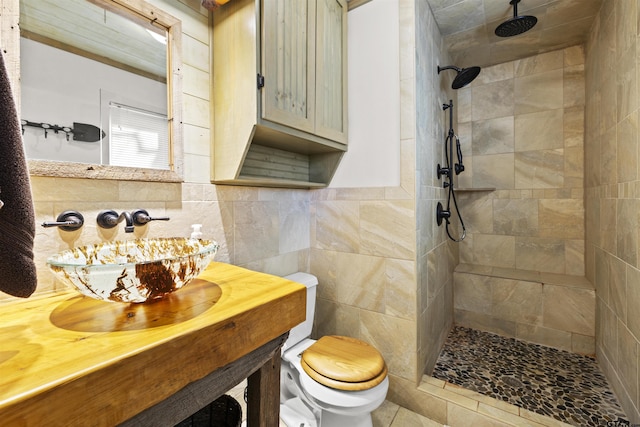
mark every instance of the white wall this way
{"type": "Point", "coordinates": [62, 88]}
{"type": "Point", "coordinates": [373, 159]}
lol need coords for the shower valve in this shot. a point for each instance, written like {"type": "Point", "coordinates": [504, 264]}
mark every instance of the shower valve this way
{"type": "Point", "coordinates": [443, 171]}
{"type": "Point", "coordinates": [442, 213]}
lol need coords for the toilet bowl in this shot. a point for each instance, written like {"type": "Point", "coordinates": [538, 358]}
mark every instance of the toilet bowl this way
{"type": "Point", "coordinates": [334, 381]}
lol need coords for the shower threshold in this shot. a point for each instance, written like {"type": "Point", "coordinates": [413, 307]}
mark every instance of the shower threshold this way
{"type": "Point", "coordinates": [564, 386]}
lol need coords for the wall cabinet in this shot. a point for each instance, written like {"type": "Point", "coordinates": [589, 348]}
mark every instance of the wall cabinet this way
{"type": "Point", "coordinates": [279, 91]}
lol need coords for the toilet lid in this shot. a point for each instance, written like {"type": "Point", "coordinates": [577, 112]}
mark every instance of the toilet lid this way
{"type": "Point", "coordinates": [344, 363]}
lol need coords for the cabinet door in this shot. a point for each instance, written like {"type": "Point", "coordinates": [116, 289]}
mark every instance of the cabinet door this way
{"type": "Point", "coordinates": [288, 63]}
{"type": "Point", "coordinates": [331, 70]}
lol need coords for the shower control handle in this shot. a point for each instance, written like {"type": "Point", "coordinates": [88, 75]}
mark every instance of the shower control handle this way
{"type": "Point", "coordinates": [442, 213]}
{"type": "Point", "coordinates": [443, 171]}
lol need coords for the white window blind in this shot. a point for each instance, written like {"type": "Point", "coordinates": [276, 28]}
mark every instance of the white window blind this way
{"type": "Point", "coordinates": [138, 138]}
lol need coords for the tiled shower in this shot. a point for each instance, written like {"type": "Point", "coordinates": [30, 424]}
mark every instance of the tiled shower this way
{"type": "Point", "coordinates": [556, 135]}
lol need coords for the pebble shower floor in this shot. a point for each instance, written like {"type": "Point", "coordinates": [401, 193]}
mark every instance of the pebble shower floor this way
{"type": "Point", "coordinates": [559, 384]}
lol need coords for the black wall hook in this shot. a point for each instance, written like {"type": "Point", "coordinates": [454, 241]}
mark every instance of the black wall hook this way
{"type": "Point", "coordinates": [80, 131]}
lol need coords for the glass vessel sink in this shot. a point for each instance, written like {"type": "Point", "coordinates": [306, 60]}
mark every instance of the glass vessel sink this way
{"type": "Point", "coordinates": [133, 270]}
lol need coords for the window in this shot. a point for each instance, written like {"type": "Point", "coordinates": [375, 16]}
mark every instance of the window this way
{"type": "Point", "coordinates": [138, 138]}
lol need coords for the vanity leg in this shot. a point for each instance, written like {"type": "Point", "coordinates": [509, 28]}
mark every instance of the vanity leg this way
{"type": "Point", "coordinates": [263, 395]}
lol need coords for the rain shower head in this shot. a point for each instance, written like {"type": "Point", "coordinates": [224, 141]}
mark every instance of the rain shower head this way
{"type": "Point", "coordinates": [464, 77]}
{"type": "Point", "coordinates": [516, 25]}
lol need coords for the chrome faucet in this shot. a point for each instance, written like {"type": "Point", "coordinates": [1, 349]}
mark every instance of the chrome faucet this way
{"type": "Point", "coordinates": [110, 219]}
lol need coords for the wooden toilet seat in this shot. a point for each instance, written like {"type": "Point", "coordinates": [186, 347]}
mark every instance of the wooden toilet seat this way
{"type": "Point", "coordinates": [344, 363]}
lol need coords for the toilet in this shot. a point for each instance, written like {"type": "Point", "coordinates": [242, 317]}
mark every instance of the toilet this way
{"type": "Point", "coordinates": [334, 381]}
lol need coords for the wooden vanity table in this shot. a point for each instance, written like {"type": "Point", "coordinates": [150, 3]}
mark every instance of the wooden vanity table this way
{"type": "Point", "coordinates": [70, 360]}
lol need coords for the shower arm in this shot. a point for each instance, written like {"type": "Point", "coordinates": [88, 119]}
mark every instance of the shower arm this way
{"type": "Point", "coordinates": [449, 67]}
{"type": "Point", "coordinates": [514, 3]}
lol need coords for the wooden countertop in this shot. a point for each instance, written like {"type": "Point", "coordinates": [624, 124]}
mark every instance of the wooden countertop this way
{"type": "Point", "coordinates": [71, 360]}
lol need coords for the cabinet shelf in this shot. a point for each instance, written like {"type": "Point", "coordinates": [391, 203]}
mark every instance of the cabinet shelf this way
{"type": "Point", "coordinates": [290, 130]}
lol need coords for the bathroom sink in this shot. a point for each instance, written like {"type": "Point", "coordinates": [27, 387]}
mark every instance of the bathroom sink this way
{"type": "Point", "coordinates": [133, 270]}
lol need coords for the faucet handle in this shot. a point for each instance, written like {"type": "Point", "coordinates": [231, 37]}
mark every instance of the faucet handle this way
{"type": "Point", "coordinates": [107, 219]}
{"type": "Point", "coordinates": [141, 217]}
{"type": "Point", "coordinates": [67, 221]}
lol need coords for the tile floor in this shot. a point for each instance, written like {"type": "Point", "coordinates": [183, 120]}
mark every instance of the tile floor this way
{"type": "Point", "coordinates": [562, 385]}
{"type": "Point", "coordinates": [392, 415]}
{"type": "Point", "coordinates": [387, 415]}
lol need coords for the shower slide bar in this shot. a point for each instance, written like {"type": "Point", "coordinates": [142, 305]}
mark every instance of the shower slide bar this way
{"type": "Point", "coordinates": [447, 171]}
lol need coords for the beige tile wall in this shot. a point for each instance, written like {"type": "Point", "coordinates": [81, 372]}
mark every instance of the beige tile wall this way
{"type": "Point", "coordinates": [437, 255]}
{"type": "Point", "coordinates": [612, 195]}
{"type": "Point", "coordinates": [385, 268]}
{"type": "Point", "coordinates": [521, 128]}
{"type": "Point", "coordinates": [549, 309]}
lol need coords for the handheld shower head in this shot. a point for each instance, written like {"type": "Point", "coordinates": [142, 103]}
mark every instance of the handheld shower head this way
{"type": "Point", "coordinates": [516, 25]}
{"type": "Point", "coordinates": [464, 76]}
{"type": "Point", "coordinates": [459, 167]}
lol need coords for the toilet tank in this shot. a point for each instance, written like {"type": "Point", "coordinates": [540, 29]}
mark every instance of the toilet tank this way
{"type": "Point", "coordinates": [303, 330]}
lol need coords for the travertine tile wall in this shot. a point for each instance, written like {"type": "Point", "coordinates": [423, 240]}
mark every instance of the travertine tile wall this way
{"type": "Point", "coordinates": [385, 269]}
{"type": "Point", "coordinates": [437, 256]}
{"type": "Point", "coordinates": [612, 194]}
{"type": "Point", "coordinates": [545, 308]}
{"type": "Point", "coordinates": [521, 129]}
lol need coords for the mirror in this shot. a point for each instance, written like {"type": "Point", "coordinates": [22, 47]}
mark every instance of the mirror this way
{"type": "Point", "coordinates": [99, 89]}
